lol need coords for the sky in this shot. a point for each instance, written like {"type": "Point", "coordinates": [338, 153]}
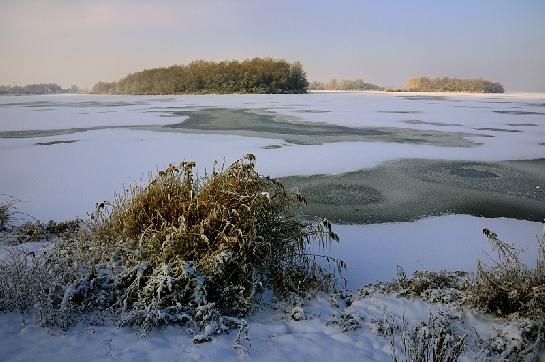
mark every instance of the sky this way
{"type": "Point", "coordinates": [384, 42]}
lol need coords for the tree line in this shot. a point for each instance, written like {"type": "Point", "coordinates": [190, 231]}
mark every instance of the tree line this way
{"type": "Point", "coordinates": [42, 88]}
{"type": "Point", "coordinates": [446, 84]}
{"type": "Point", "coordinates": [257, 75]}
{"type": "Point", "coordinates": [344, 84]}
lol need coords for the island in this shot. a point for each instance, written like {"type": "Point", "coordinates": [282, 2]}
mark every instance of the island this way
{"type": "Point", "coordinates": [257, 75]}
{"type": "Point", "coordinates": [448, 84]}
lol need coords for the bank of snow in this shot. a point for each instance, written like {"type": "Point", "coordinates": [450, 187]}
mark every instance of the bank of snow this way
{"type": "Point", "coordinates": [328, 328]}
{"type": "Point", "coordinates": [321, 334]}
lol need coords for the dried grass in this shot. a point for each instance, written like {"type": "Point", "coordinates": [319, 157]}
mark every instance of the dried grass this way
{"type": "Point", "coordinates": [509, 286]}
{"type": "Point", "coordinates": [433, 340]}
{"type": "Point", "coordinates": [4, 216]}
{"type": "Point", "coordinates": [188, 251]}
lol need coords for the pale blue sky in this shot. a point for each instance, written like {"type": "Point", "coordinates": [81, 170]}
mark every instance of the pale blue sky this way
{"type": "Point", "coordinates": [80, 42]}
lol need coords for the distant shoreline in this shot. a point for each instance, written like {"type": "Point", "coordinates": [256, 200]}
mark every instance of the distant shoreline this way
{"type": "Point", "coordinates": [531, 94]}
{"type": "Point", "coordinates": [478, 94]}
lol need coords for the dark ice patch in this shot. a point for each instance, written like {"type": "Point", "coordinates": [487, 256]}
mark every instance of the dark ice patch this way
{"type": "Point", "coordinates": [520, 113]}
{"type": "Point", "coordinates": [54, 142]}
{"type": "Point", "coordinates": [401, 112]}
{"type": "Point", "coordinates": [440, 124]}
{"type": "Point", "coordinates": [471, 172]}
{"type": "Point", "coordinates": [268, 124]}
{"type": "Point", "coordinates": [494, 129]}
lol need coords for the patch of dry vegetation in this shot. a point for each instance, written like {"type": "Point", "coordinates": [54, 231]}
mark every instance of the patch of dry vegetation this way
{"type": "Point", "coordinates": [190, 251]}
{"type": "Point", "coordinates": [510, 286]}
{"type": "Point", "coordinates": [433, 340]}
{"type": "Point", "coordinates": [4, 216]}
{"type": "Point", "coordinates": [508, 289]}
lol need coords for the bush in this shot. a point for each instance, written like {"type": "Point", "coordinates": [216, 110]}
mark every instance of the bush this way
{"type": "Point", "coordinates": [4, 216]}
{"type": "Point", "coordinates": [189, 251]}
{"type": "Point", "coordinates": [64, 229]}
{"type": "Point", "coordinates": [433, 340]}
{"type": "Point", "coordinates": [35, 230]}
{"type": "Point", "coordinates": [509, 286]}
{"type": "Point", "coordinates": [30, 231]}
{"type": "Point", "coordinates": [20, 277]}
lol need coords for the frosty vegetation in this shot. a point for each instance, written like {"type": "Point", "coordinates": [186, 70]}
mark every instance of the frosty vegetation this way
{"type": "Point", "coordinates": [344, 84]}
{"type": "Point", "coordinates": [507, 289]}
{"type": "Point", "coordinates": [4, 216]}
{"type": "Point", "coordinates": [509, 286]}
{"type": "Point", "coordinates": [446, 84]}
{"type": "Point", "coordinates": [257, 75]}
{"type": "Point", "coordinates": [197, 252]}
{"type": "Point", "coordinates": [42, 88]}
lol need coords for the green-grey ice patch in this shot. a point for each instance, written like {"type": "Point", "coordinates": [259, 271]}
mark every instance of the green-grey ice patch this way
{"type": "Point", "coordinates": [429, 98]}
{"type": "Point", "coordinates": [496, 129]}
{"type": "Point", "coordinates": [54, 142]}
{"type": "Point", "coordinates": [471, 172]}
{"type": "Point", "coordinates": [407, 190]}
{"type": "Point", "coordinates": [520, 113]}
{"type": "Point", "coordinates": [471, 107]}
{"type": "Point", "coordinates": [80, 104]}
{"type": "Point", "coordinates": [440, 124]}
{"type": "Point", "coordinates": [401, 112]}
{"type": "Point", "coordinates": [52, 132]}
{"type": "Point", "coordinates": [311, 111]}
{"type": "Point", "coordinates": [264, 123]}
{"type": "Point", "coordinates": [268, 124]}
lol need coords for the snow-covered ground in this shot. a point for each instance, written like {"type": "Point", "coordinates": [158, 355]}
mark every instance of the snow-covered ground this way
{"type": "Point", "coordinates": [64, 180]}
{"type": "Point", "coordinates": [273, 336]}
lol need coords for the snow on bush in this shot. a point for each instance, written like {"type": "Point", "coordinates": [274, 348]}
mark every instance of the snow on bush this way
{"type": "Point", "coordinates": [181, 250]}
{"type": "Point", "coordinates": [431, 340]}
{"type": "Point", "coordinates": [510, 286]}
{"type": "Point", "coordinates": [4, 216]}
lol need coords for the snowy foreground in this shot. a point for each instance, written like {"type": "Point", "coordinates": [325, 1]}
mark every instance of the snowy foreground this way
{"type": "Point", "coordinates": [97, 148]}
{"type": "Point", "coordinates": [340, 327]}
{"type": "Point", "coordinates": [350, 325]}
{"type": "Point", "coordinates": [273, 336]}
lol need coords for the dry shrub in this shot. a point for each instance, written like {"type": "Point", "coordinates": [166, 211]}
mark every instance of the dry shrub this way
{"type": "Point", "coordinates": [506, 288]}
{"type": "Point", "coordinates": [423, 281]}
{"type": "Point", "coordinates": [509, 286]}
{"type": "Point", "coordinates": [4, 216]}
{"type": "Point", "coordinates": [189, 251]}
{"type": "Point", "coordinates": [30, 231]}
{"type": "Point", "coordinates": [434, 340]}
{"type": "Point", "coordinates": [37, 231]}
{"type": "Point", "coordinates": [64, 229]}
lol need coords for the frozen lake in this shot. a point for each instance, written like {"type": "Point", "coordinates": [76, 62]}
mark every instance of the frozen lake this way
{"type": "Point", "coordinates": [62, 154]}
